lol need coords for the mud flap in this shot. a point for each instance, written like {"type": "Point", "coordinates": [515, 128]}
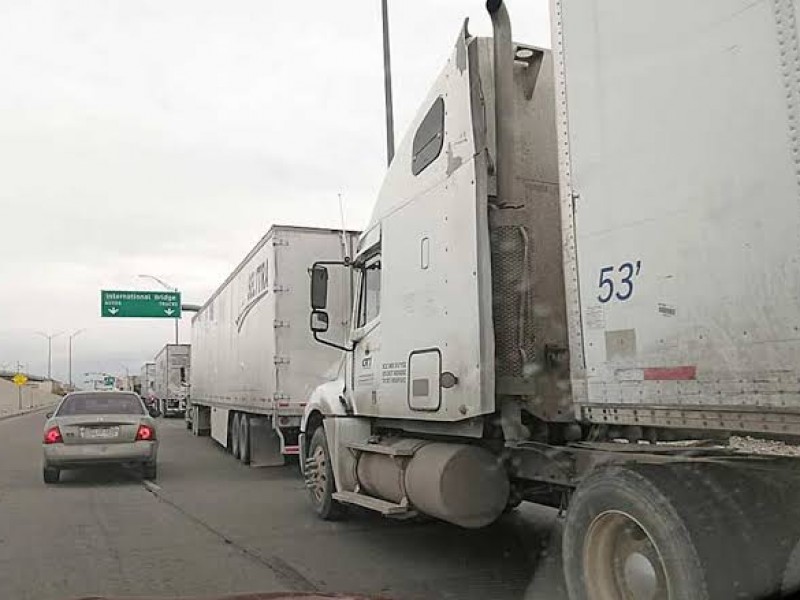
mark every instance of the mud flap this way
{"type": "Point", "coordinates": [201, 420]}
{"type": "Point", "coordinates": [265, 444]}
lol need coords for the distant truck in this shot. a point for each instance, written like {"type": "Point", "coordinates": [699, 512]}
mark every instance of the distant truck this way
{"type": "Point", "coordinates": [172, 376]}
{"type": "Point", "coordinates": [147, 380]}
{"type": "Point", "coordinates": [255, 363]}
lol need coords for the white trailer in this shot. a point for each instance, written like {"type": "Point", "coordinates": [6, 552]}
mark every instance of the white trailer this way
{"type": "Point", "coordinates": [147, 380]}
{"type": "Point", "coordinates": [581, 262]}
{"type": "Point", "coordinates": [172, 377]}
{"type": "Point", "coordinates": [255, 362]}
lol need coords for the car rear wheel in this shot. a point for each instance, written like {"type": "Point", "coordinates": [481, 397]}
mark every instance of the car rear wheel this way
{"type": "Point", "coordinates": [51, 474]}
{"type": "Point", "coordinates": [150, 471]}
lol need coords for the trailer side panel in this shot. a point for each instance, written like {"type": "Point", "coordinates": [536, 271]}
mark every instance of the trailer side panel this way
{"type": "Point", "coordinates": [682, 170]}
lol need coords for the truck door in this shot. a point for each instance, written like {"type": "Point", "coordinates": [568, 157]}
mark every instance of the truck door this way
{"type": "Point", "coordinates": [366, 335]}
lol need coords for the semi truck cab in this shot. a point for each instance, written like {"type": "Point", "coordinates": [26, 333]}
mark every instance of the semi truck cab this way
{"type": "Point", "coordinates": [438, 333]}
{"type": "Point", "coordinates": [485, 367]}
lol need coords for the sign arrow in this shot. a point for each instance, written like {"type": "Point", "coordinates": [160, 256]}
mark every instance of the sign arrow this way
{"type": "Point", "coordinates": [168, 311]}
{"type": "Point", "coordinates": [113, 311]}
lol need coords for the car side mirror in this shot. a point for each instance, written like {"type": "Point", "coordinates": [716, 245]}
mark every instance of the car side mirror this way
{"type": "Point", "coordinates": [319, 321]}
{"type": "Point", "coordinates": [48, 415]}
{"type": "Point", "coordinates": [319, 288]}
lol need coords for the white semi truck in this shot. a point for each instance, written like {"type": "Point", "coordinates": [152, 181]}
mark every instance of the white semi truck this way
{"type": "Point", "coordinates": [581, 262]}
{"type": "Point", "coordinates": [147, 380]}
{"type": "Point", "coordinates": [172, 378]}
{"type": "Point", "coordinates": [254, 360]}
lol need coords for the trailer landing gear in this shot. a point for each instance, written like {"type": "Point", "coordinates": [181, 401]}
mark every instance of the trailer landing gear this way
{"type": "Point", "coordinates": [244, 439]}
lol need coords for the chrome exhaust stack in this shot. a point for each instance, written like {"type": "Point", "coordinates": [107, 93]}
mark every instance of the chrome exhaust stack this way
{"type": "Point", "coordinates": [503, 99]}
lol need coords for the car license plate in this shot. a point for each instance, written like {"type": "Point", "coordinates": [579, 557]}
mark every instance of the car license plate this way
{"type": "Point", "coordinates": [99, 433]}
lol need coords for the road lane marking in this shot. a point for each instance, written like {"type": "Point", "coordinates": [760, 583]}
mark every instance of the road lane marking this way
{"type": "Point", "coordinates": [151, 486]}
{"type": "Point", "coordinates": [283, 571]}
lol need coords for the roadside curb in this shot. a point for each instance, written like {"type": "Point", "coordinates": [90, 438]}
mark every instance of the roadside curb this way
{"type": "Point", "coordinates": [28, 412]}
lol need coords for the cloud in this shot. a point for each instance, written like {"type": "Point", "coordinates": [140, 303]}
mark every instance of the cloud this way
{"type": "Point", "coordinates": [165, 137]}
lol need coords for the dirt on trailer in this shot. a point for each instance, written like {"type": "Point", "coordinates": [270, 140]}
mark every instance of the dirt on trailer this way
{"type": "Point", "coordinates": [766, 447]}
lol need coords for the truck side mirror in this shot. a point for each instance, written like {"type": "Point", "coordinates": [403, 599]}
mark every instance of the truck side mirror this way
{"type": "Point", "coordinates": [319, 321]}
{"type": "Point", "coordinates": [319, 290]}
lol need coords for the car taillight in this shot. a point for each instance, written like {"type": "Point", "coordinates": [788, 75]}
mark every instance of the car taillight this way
{"type": "Point", "coordinates": [53, 436]}
{"type": "Point", "coordinates": [145, 434]}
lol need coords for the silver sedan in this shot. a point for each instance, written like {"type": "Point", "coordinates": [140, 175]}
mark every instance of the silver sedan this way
{"type": "Point", "coordinates": [95, 428]}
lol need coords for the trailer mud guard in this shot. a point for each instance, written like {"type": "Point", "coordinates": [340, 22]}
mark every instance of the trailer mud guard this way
{"type": "Point", "coordinates": [265, 443]}
{"type": "Point", "coordinates": [201, 420]}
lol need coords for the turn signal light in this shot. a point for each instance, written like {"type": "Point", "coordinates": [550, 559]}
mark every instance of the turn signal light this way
{"type": "Point", "coordinates": [145, 434]}
{"type": "Point", "coordinates": [53, 436]}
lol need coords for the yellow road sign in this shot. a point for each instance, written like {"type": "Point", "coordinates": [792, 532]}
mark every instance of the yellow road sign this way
{"type": "Point", "coordinates": [20, 379]}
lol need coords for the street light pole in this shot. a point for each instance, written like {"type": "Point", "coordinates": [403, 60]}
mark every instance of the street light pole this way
{"type": "Point", "coordinates": [171, 288]}
{"type": "Point", "coordinates": [49, 337]}
{"type": "Point", "coordinates": [72, 335]}
{"type": "Point", "coordinates": [387, 84]}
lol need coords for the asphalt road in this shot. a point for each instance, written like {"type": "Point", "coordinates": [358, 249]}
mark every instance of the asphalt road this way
{"type": "Point", "coordinates": [211, 526]}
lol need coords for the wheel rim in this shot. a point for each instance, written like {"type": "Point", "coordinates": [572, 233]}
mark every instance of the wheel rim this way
{"type": "Point", "coordinates": [621, 561]}
{"type": "Point", "coordinates": [317, 476]}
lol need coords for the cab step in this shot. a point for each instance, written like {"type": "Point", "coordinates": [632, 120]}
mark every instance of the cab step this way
{"type": "Point", "coordinates": [395, 450]}
{"type": "Point", "coordinates": [382, 506]}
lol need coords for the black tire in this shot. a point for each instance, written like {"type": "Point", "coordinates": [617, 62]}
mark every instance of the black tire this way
{"type": "Point", "coordinates": [150, 471]}
{"type": "Point", "coordinates": [618, 510]}
{"type": "Point", "coordinates": [514, 502]}
{"type": "Point", "coordinates": [51, 474]}
{"type": "Point", "coordinates": [244, 439]}
{"type": "Point", "coordinates": [234, 435]}
{"type": "Point", "coordinates": [709, 531]}
{"type": "Point", "coordinates": [319, 478]}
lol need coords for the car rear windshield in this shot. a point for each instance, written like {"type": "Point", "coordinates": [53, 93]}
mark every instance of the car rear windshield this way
{"type": "Point", "coordinates": [101, 404]}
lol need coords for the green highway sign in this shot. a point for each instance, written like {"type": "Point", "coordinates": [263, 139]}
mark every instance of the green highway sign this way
{"type": "Point", "coordinates": [116, 303]}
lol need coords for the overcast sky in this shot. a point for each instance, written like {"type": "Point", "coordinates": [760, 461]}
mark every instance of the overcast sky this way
{"type": "Point", "coordinates": [166, 136]}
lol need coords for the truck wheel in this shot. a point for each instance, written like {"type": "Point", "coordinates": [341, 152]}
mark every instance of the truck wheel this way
{"type": "Point", "coordinates": [234, 435]}
{"type": "Point", "coordinates": [51, 474]}
{"type": "Point", "coordinates": [623, 538]}
{"type": "Point", "coordinates": [244, 439]}
{"type": "Point", "coordinates": [319, 478]}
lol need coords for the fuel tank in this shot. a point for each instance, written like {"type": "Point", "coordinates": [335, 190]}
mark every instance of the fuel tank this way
{"type": "Point", "coordinates": [459, 483]}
